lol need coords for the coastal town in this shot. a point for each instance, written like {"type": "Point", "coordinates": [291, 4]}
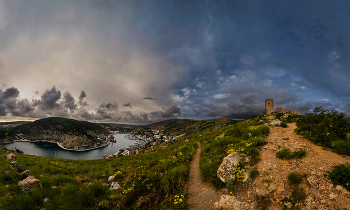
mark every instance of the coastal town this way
{"type": "Point", "coordinates": [145, 139]}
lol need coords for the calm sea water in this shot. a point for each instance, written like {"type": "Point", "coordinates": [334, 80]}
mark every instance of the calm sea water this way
{"type": "Point", "coordinates": [54, 151]}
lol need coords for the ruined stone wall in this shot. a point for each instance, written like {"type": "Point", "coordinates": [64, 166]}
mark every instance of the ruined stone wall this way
{"type": "Point", "coordinates": [268, 106]}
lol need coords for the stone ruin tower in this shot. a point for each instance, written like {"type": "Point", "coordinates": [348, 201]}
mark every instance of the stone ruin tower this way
{"type": "Point", "coordinates": [268, 106]}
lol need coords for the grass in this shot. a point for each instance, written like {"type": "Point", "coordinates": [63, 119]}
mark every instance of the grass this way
{"type": "Point", "coordinates": [285, 153]}
{"type": "Point", "coordinates": [150, 180]}
{"type": "Point", "coordinates": [236, 139]}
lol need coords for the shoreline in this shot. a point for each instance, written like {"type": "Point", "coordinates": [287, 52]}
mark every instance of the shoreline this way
{"type": "Point", "coordinates": [58, 144]}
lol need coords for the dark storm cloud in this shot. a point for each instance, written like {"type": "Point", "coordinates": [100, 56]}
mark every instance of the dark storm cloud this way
{"type": "Point", "coordinates": [49, 99]}
{"type": "Point", "coordinates": [200, 58]}
{"type": "Point", "coordinates": [69, 101]}
{"type": "Point", "coordinates": [10, 93]}
{"type": "Point", "coordinates": [149, 98]}
{"type": "Point", "coordinates": [82, 95]}
{"type": "Point", "coordinates": [109, 106]}
{"type": "Point", "coordinates": [9, 103]}
{"type": "Point", "coordinates": [127, 105]}
{"type": "Point", "coordinates": [171, 111]}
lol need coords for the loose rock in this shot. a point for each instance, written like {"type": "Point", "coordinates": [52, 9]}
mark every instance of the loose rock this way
{"type": "Point", "coordinates": [46, 200]}
{"type": "Point", "coordinates": [111, 178]}
{"type": "Point", "coordinates": [114, 186]}
{"type": "Point", "coordinates": [312, 181]}
{"type": "Point", "coordinates": [342, 189]}
{"type": "Point", "coordinates": [26, 173]}
{"type": "Point", "coordinates": [29, 183]}
{"type": "Point", "coordinates": [231, 202]}
{"type": "Point", "coordinates": [11, 157]}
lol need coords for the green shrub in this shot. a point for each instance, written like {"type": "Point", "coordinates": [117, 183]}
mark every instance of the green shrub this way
{"type": "Point", "coordinates": [253, 173]}
{"type": "Point", "coordinates": [259, 141]}
{"type": "Point", "coordinates": [284, 123]}
{"type": "Point", "coordinates": [340, 176]}
{"type": "Point", "coordinates": [323, 126]}
{"type": "Point", "coordinates": [235, 132]}
{"type": "Point", "coordinates": [231, 184]}
{"type": "Point", "coordinates": [285, 153]}
{"type": "Point", "coordinates": [299, 154]}
{"type": "Point", "coordinates": [298, 194]}
{"type": "Point", "coordinates": [296, 178]}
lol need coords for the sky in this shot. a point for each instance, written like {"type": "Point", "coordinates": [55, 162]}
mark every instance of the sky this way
{"type": "Point", "coordinates": [139, 62]}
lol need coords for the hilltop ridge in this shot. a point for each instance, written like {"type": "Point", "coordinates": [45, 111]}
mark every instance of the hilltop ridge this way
{"type": "Point", "coordinates": [66, 131]}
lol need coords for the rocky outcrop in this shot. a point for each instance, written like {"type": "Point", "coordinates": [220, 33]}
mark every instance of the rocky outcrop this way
{"type": "Point", "coordinates": [231, 202]}
{"type": "Point", "coordinates": [111, 178]}
{"type": "Point", "coordinates": [11, 157]}
{"type": "Point", "coordinates": [276, 122]}
{"type": "Point", "coordinates": [29, 183]}
{"type": "Point", "coordinates": [228, 167]}
{"type": "Point", "coordinates": [114, 186]}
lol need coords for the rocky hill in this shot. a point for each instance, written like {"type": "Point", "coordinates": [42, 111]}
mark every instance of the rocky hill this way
{"type": "Point", "coordinates": [68, 131]}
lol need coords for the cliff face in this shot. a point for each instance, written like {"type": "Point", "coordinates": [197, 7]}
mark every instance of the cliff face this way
{"type": "Point", "coordinates": [56, 129]}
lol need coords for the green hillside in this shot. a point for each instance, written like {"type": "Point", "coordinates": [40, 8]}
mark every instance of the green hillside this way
{"type": "Point", "coordinates": [187, 126]}
{"type": "Point", "coordinates": [68, 131]}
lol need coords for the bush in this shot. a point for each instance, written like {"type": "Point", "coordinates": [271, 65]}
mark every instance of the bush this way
{"type": "Point", "coordinates": [284, 123]}
{"type": "Point", "coordinates": [235, 132]}
{"type": "Point", "coordinates": [285, 153]}
{"type": "Point", "coordinates": [340, 176]}
{"type": "Point", "coordinates": [253, 173]}
{"type": "Point", "coordinates": [259, 141]}
{"type": "Point", "coordinates": [324, 126]}
{"type": "Point", "coordinates": [296, 178]}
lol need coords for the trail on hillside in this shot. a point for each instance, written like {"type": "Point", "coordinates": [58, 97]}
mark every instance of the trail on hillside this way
{"type": "Point", "coordinates": [273, 183]}
{"type": "Point", "coordinates": [201, 194]}
{"type": "Point", "coordinates": [315, 164]}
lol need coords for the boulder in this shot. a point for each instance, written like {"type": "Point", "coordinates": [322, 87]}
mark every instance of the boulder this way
{"type": "Point", "coordinates": [46, 200]}
{"type": "Point", "coordinates": [111, 178]}
{"type": "Point", "coordinates": [276, 122]}
{"type": "Point", "coordinates": [342, 190]}
{"type": "Point", "coordinates": [11, 157]}
{"type": "Point", "coordinates": [313, 181]}
{"type": "Point", "coordinates": [228, 167]}
{"type": "Point", "coordinates": [25, 173]}
{"type": "Point", "coordinates": [29, 183]}
{"type": "Point", "coordinates": [114, 186]}
{"type": "Point", "coordinates": [231, 202]}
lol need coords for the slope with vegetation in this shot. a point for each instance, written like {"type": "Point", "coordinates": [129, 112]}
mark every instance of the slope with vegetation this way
{"type": "Point", "coordinates": [187, 126]}
{"type": "Point", "coordinates": [147, 181]}
{"type": "Point", "coordinates": [284, 168]}
{"type": "Point", "coordinates": [67, 131]}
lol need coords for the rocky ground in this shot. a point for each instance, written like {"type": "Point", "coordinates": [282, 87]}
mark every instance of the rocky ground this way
{"type": "Point", "coordinates": [272, 182]}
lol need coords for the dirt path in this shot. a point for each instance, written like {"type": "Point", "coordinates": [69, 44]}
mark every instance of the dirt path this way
{"type": "Point", "coordinates": [201, 194]}
{"type": "Point", "coordinates": [315, 164]}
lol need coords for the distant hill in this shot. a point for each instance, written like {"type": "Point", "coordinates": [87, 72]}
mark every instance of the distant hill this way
{"type": "Point", "coordinates": [13, 124]}
{"type": "Point", "coordinates": [120, 127]}
{"type": "Point", "coordinates": [68, 131]}
{"type": "Point", "coordinates": [188, 126]}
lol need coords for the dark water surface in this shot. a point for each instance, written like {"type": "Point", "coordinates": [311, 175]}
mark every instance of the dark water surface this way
{"type": "Point", "coordinates": [54, 151]}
